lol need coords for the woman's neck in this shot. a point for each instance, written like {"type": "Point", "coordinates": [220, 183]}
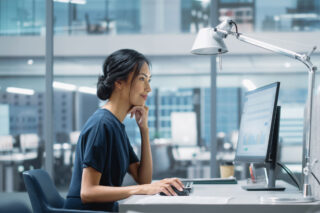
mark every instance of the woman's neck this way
{"type": "Point", "coordinates": [120, 110]}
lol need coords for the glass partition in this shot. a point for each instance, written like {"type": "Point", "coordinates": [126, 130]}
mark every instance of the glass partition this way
{"type": "Point", "coordinates": [22, 17]}
{"type": "Point", "coordinates": [82, 17]}
{"type": "Point", "coordinates": [22, 104]}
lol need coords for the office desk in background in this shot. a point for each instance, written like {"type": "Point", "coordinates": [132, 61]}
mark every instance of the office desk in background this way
{"type": "Point", "coordinates": [7, 165]}
{"type": "Point", "coordinates": [226, 198]}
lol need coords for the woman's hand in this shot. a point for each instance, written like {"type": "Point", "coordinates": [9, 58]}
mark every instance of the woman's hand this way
{"type": "Point", "coordinates": [164, 186]}
{"type": "Point", "coordinates": [141, 115]}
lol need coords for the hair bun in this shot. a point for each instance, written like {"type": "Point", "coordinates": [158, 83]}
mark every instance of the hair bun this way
{"type": "Point", "coordinates": [104, 89]}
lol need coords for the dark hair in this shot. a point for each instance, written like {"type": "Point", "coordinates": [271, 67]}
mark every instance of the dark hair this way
{"type": "Point", "coordinates": [117, 66]}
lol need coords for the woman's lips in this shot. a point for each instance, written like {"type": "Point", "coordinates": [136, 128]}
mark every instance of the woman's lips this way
{"type": "Point", "coordinates": [144, 97]}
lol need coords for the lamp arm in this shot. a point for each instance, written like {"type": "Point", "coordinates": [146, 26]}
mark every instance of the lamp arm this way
{"type": "Point", "coordinates": [305, 59]}
{"type": "Point", "coordinates": [267, 46]}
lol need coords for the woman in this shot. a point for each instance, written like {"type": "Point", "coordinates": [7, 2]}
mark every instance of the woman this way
{"type": "Point", "coordinates": [104, 153]}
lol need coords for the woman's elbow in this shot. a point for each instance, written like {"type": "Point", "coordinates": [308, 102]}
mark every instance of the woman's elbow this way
{"type": "Point", "coordinates": [145, 181]}
{"type": "Point", "coordinates": [85, 196]}
{"type": "Point", "coordinates": [148, 182]}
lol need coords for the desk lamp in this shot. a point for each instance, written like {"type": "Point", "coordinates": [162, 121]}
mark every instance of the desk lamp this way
{"type": "Point", "coordinates": [209, 41]}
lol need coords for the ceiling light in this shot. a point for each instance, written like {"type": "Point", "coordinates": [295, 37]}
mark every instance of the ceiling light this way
{"type": "Point", "coordinates": [72, 1]}
{"type": "Point", "coordinates": [88, 90]}
{"type": "Point", "coordinates": [17, 90]}
{"type": "Point", "coordinates": [248, 84]}
{"type": "Point", "coordinates": [64, 86]}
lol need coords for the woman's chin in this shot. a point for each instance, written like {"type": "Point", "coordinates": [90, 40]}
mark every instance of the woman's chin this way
{"type": "Point", "coordinates": [138, 103]}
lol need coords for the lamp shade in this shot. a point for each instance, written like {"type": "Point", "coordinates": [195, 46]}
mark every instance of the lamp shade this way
{"type": "Point", "coordinates": [208, 42]}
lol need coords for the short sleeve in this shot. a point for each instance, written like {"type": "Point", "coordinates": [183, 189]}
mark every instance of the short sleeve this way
{"type": "Point", "coordinates": [132, 155]}
{"type": "Point", "coordinates": [96, 148]}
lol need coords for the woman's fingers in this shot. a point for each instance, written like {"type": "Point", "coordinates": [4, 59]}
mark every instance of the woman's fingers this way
{"type": "Point", "coordinates": [140, 117]}
{"type": "Point", "coordinates": [173, 193]}
{"type": "Point", "coordinates": [177, 186]}
{"type": "Point", "coordinates": [176, 183]}
{"type": "Point", "coordinates": [165, 190]}
{"type": "Point", "coordinates": [135, 108]}
{"type": "Point", "coordinates": [139, 113]}
{"type": "Point", "coordinates": [179, 182]}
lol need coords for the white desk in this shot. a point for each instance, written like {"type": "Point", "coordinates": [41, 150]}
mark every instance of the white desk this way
{"type": "Point", "coordinates": [7, 162]}
{"type": "Point", "coordinates": [18, 157]}
{"type": "Point", "coordinates": [236, 200]}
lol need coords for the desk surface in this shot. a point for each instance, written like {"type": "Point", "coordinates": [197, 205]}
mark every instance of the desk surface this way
{"type": "Point", "coordinates": [190, 153]}
{"type": "Point", "coordinates": [218, 198]}
{"type": "Point", "coordinates": [18, 157]}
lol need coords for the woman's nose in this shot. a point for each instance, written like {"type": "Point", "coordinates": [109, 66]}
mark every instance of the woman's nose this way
{"type": "Point", "coordinates": [148, 88]}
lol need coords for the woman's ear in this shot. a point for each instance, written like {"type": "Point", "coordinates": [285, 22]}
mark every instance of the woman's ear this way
{"type": "Point", "coordinates": [118, 84]}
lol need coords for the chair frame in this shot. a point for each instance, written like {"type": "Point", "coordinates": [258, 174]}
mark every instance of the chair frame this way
{"type": "Point", "coordinates": [38, 195]}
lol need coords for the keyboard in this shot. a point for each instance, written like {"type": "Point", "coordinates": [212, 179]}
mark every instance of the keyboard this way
{"type": "Point", "coordinates": [211, 181]}
{"type": "Point", "coordinates": [188, 185]}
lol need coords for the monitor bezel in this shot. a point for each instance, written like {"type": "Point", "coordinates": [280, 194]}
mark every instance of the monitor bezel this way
{"type": "Point", "coordinates": [261, 159]}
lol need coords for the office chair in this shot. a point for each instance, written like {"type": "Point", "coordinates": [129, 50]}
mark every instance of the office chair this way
{"type": "Point", "coordinates": [13, 206]}
{"type": "Point", "coordinates": [43, 195]}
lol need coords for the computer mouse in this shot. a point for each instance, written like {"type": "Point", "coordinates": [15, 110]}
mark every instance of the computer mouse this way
{"type": "Point", "coordinates": [184, 192]}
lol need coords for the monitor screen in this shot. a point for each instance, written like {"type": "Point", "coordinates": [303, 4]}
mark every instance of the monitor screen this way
{"type": "Point", "coordinates": [257, 122]}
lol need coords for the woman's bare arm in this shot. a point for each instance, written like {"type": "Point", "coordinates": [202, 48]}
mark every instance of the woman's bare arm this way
{"type": "Point", "coordinates": [91, 191]}
{"type": "Point", "coordinates": [142, 172]}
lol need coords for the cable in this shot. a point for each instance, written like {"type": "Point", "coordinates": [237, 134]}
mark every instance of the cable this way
{"type": "Point", "coordinates": [292, 176]}
{"type": "Point", "coordinates": [315, 177]}
{"type": "Point", "coordinates": [234, 23]}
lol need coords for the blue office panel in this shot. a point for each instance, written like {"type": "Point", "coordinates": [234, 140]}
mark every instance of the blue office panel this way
{"type": "Point", "coordinates": [227, 106]}
{"type": "Point", "coordinates": [23, 119]}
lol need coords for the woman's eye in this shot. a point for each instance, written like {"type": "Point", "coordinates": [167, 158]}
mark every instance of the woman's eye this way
{"type": "Point", "coordinates": [142, 78]}
{"type": "Point", "coordinates": [149, 81]}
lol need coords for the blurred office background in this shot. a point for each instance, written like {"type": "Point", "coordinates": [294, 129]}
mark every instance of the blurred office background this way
{"type": "Point", "coordinates": [86, 31]}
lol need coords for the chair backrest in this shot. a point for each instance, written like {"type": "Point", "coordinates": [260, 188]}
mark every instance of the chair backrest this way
{"type": "Point", "coordinates": [13, 206]}
{"type": "Point", "coordinates": [42, 192]}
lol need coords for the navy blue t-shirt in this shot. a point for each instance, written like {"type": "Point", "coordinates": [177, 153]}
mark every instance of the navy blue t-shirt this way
{"type": "Point", "coordinates": [103, 144]}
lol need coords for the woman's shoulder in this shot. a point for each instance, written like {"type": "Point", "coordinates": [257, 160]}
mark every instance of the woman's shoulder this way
{"type": "Point", "coordinates": [100, 119]}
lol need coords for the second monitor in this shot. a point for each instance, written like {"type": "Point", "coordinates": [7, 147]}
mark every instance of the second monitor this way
{"type": "Point", "coordinates": [258, 134]}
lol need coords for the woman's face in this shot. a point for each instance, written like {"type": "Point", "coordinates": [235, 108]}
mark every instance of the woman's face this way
{"type": "Point", "coordinates": [140, 87]}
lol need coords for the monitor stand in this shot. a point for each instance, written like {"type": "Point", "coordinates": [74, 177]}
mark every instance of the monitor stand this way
{"type": "Point", "coordinates": [271, 161]}
{"type": "Point", "coordinates": [270, 184]}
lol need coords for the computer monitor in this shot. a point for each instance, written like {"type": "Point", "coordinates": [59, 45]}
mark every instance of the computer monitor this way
{"type": "Point", "coordinates": [257, 124]}
{"type": "Point", "coordinates": [259, 131]}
